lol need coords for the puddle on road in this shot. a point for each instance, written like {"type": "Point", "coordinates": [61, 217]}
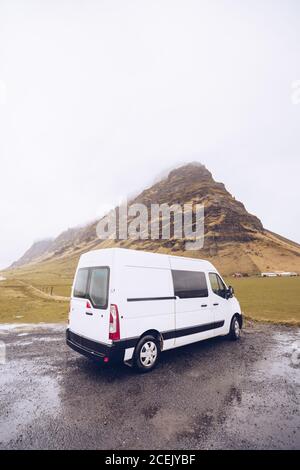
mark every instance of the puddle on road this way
{"type": "Point", "coordinates": [33, 339]}
{"type": "Point", "coordinates": [39, 332]}
{"type": "Point", "coordinates": [281, 360]}
{"type": "Point", "coordinates": [20, 343]}
{"type": "Point", "coordinates": [28, 392]}
{"type": "Point", "coordinates": [41, 401]}
{"type": "Point", "coordinates": [26, 328]}
{"type": "Point", "coordinates": [268, 403]}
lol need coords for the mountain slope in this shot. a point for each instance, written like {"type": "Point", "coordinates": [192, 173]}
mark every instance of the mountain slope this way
{"type": "Point", "coordinates": [36, 250]}
{"type": "Point", "coordinates": [234, 239]}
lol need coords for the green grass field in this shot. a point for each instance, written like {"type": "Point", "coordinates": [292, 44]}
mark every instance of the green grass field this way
{"type": "Point", "coordinates": [274, 300]}
{"type": "Point", "coordinates": [20, 304]}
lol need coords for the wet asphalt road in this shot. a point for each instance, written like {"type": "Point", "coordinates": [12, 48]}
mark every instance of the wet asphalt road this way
{"type": "Point", "coordinates": [211, 395]}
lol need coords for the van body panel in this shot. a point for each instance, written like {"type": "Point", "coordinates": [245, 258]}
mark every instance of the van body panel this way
{"type": "Point", "coordinates": [147, 298]}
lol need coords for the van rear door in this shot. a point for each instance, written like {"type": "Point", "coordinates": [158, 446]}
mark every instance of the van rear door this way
{"type": "Point", "coordinates": [89, 314]}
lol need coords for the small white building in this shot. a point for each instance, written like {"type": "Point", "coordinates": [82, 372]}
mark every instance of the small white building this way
{"type": "Point", "coordinates": [287, 274]}
{"type": "Point", "coordinates": [280, 274]}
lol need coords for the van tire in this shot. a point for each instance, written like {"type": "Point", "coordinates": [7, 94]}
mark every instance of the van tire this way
{"type": "Point", "coordinates": [235, 329]}
{"type": "Point", "coordinates": [146, 354]}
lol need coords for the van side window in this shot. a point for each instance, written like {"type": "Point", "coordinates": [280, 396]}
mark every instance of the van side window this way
{"type": "Point", "coordinates": [189, 284]}
{"type": "Point", "coordinates": [80, 289]}
{"type": "Point", "coordinates": [217, 285]}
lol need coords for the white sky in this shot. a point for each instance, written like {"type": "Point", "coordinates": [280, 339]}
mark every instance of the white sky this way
{"type": "Point", "coordinates": [98, 97]}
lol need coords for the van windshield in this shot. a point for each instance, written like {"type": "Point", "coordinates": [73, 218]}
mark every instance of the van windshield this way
{"type": "Point", "coordinates": [92, 284]}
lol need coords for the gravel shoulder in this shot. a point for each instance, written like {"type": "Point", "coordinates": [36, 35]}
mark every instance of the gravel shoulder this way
{"type": "Point", "coordinates": [210, 395]}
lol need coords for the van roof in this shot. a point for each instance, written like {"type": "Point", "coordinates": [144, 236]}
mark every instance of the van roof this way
{"type": "Point", "coordinates": [113, 251]}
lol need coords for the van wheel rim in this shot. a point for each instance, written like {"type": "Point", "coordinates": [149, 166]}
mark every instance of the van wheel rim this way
{"type": "Point", "coordinates": [236, 328]}
{"type": "Point", "coordinates": [148, 354]}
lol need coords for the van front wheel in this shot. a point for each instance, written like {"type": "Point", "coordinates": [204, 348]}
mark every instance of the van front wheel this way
{"type": "Point", "coordinates": [235, 329]}
{"type": "Point", "coordinates": [146, 354]}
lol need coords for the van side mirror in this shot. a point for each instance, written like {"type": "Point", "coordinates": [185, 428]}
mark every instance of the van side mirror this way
{"type": "Point", "coordinates": [229, 292]}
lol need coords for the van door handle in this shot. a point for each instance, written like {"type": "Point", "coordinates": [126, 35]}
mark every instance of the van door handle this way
{"type": "Point", "coordinates": [215, 304]}
{"type": "Point", "coordinates": [204, 305]}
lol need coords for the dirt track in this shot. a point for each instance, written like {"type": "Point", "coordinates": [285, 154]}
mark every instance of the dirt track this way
{"type": "Point", "coordinates": [214, 394]}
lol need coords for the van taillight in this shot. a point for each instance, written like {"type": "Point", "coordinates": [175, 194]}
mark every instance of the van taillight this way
{"type": "Point", "coordinates": [114, 324]}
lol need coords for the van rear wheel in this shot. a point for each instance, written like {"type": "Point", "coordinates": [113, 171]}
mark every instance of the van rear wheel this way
{"type": "Point", "coordinates": [235, 329]}
{"type": "Point", "coordinates": [146, 354]}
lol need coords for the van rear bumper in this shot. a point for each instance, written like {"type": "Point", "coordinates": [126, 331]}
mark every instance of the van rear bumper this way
{"type": "Point", "coordinates": [93, 349]}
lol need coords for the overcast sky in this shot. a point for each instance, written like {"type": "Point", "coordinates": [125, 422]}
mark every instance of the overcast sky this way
{"type": "Point", "coordinates": [98, 97]}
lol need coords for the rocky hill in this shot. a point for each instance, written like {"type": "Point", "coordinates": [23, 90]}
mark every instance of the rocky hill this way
{"type": "Point", "coordinates": [235, 240]}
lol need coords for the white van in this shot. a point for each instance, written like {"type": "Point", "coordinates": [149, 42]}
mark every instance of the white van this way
{"type": "Point", "coordinates": [130, 305]}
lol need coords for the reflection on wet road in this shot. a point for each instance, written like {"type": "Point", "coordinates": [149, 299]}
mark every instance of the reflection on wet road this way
{"type": "Point", "coordinates": [214, 394]}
